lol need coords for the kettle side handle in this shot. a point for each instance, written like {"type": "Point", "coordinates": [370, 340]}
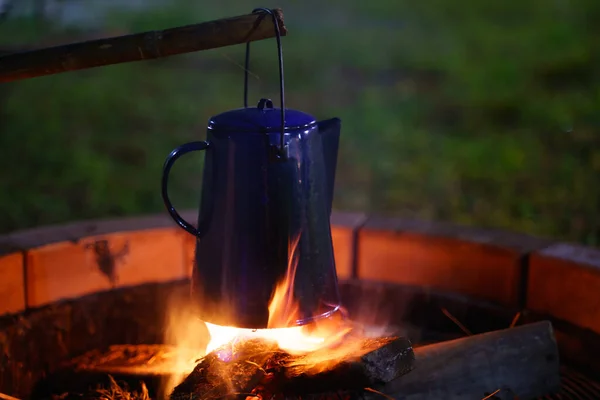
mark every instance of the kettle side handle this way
{"type": "Point", "coordinates": [169, 162]}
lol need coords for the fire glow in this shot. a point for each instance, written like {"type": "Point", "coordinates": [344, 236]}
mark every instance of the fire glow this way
{"type": "Point", "coordinates": [318, 346]}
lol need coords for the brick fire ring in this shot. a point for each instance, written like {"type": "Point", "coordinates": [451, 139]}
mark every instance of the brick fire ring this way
{"type": "Point", "coordinates": [69, 289]}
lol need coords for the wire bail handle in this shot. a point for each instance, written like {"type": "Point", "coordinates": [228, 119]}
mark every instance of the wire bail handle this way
{"type": "Point", "coordinates": [281, 80]}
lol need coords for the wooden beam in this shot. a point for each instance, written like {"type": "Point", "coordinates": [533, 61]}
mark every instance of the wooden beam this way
{"type": "Point", "coordinates": [140, 46]}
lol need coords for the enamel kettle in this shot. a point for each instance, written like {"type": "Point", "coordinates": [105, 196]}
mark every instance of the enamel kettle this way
{"type": "Point", "coordinates": [267, 192]}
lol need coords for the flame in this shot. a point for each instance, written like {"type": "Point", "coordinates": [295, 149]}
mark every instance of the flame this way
{"type": "Point", "coordinates": [316, 347]}
{"type": "Point", "coordinates": [283, 314]}
{"type": "Point", "coordinates": [189, 335]}
{"type": "Point", "coordinates": [283, 310]}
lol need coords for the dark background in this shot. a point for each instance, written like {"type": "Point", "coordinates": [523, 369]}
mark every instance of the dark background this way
{"type": "Point", "coordinates": [476, 112]}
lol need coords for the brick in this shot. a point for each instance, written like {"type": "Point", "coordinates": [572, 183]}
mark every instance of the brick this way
{"type": "Point", "coordinates": [61, 270]}
{"type": "Point", "coordinates": [343, 228]}
{"type": "Point", "coordinates": [564, 282]}
{"type": "Point", "coordinates": [480, 263]}
{"type": "Point", "coordinates": [67, 269]}
{"type": "Point", "coordinates": [155, 255]}
{"type": "Point", "coordinates": [74, 231]}
{"type": "Point", "coordinates": [12, 288]}
{"type": "Point", "coordinates": [342, 249]}
{"type": "Point", "coordinates": [60, 266]}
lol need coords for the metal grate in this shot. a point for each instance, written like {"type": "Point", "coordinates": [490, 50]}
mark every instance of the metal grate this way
{"type": "Point", "coordinates": [575, 386]}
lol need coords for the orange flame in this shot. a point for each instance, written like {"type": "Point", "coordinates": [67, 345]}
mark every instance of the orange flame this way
{"type": "Point", "coordinates": [318, 347]}
{"type": "Point", "coordinates": [283, 314]}
{"type": "Point", "coordinates": [283, 310]}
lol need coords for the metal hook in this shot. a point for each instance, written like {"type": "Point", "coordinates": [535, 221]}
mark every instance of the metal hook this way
{"type": "Point", "coordinates": [281, 80]}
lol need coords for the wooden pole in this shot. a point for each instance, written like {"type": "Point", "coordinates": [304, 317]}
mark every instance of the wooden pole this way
{"type": "Point", "coordinates": [519, 363]}
{"type": "Point", "coordinates": [140, 46]}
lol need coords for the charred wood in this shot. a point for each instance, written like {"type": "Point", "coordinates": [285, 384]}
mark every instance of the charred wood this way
{"type": "Point", "coordinates": [262, 370]}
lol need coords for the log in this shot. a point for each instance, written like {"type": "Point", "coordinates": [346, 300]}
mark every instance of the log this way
{"type": "Point", "coordinates": [521, 362]}
{"type": "Point", "coordinates": [387, 362]}
{"type": "Point", "coordinates": [140, 46]}
{"type": "Point", "coordinates": [371, 361]}
{"type": "Point", "coordinates": [261, 368]}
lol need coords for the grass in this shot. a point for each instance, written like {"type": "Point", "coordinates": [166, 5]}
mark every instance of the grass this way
{"type": "Point", "coordinates": [480, 113]}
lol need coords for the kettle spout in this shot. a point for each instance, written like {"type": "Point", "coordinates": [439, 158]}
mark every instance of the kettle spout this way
{"type": "Point", "coordinates": [330, 136]}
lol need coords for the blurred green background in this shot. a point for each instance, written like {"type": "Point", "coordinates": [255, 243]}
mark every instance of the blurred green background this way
{"type": "Point", "coordinates": [481, 113]}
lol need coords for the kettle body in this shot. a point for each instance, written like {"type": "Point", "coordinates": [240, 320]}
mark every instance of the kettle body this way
{"type": "Point", "coordinates": [264, 217]}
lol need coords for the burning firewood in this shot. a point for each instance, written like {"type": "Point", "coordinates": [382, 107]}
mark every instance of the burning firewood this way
{"type": "Point", "coordinates": [518, 362]}
{"type": "Point", "coordinates": [257, 368]}
{"type": "Point", "coordinates": [220, 374]}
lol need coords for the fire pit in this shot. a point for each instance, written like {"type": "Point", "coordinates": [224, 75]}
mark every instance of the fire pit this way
{"type": "Point", "coordinates": [100, 311]}
{"type": "Point", "coordinates": [96, 288]}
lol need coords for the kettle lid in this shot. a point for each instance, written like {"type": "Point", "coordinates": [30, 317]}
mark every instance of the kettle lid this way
{"type": "Point", "coordinates": [263, 118]}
